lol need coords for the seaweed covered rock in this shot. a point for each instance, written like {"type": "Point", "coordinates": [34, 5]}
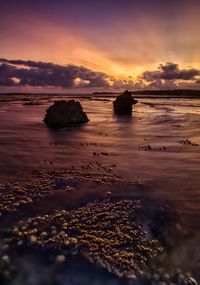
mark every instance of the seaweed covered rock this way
{"type": "Point", "coordinates": [65, 114]}
{"type": "Point", "coordinates": [123, 103]}
{"type": "Point", "coordinates": [108, 234]}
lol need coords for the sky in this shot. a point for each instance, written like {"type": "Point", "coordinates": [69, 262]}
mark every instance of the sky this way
{"type": "Point", "coordinates": [99, 45]}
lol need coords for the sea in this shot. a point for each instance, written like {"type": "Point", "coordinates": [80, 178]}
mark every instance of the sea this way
{"type": "Point", "coordinates": [159, 146]}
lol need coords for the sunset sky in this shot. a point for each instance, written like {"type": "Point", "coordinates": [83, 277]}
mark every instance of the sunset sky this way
{"type": "Point", "coordinates": [107, 44]}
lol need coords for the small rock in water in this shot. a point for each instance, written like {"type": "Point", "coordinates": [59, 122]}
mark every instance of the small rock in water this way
{"type": "Point", "coordinates": [188, 142]}
{"type": "Point", "coordinates": [123, 103]}
{"type": "Point", "coordinates": [5, 259]}
{"type": "Point", "coordinates": [104, 153]}
{"type": "Point", "coordinates": [69, 188]}
{"type": "Point", "coordinates": [33, 239]}
{"type": "Point", "coordinates": [65, 114]}
{"type": "Point", "coordinates": [60, 258]}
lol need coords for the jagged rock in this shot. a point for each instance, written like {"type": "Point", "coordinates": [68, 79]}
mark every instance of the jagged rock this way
{"type": "Point", "coordinates": [65, 114]}
{"type": "Point", "coordinates": [123, 103]}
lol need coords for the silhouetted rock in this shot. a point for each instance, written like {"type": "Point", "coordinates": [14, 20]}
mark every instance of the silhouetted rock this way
{"type": "Point", "coordinates": [123, 103]}
{"type": "Point", "coordinates": [65, 114]}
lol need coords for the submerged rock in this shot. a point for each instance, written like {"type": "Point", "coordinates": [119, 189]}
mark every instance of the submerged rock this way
{"type": "Point", "coordinates": [123, 103]}
{"type": "Point", "coordinates": [65, 114]}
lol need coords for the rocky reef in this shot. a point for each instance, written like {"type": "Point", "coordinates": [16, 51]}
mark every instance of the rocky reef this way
{"type": "Point", "coordinates": [108, 234]}
{"type": "Point", "coordinates": [127, 240]}
{"type": "Point", "coordinates": [121, 237]}
{"type": "Point", "coordinates": [65, 114]}
{"type": "Point", "coordinates": [15, 195]}
{"type": "Point", "coordinates": [123, 103]}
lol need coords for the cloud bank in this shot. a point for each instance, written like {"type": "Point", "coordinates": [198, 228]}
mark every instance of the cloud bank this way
{"type": "Point", "coordinates": [31, 73]}
{"type": "Point", "coordinates": [21, 73]}
{"type": "Point", "coordinates": [171, 71]}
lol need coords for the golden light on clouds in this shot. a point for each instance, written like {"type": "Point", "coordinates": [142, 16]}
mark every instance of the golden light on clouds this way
{"type": "Point", "coordinates": [135, 51]}
{"type": "Point", "coordinates": [122, 41]}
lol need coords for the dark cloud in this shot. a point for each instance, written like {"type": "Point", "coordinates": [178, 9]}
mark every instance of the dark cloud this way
{"type": "Point", "coordinates": [20, 73]}
{"type": "Point", "coordinates": [32, 73]}
{"type": "Point", "coordinates": [170, 71]}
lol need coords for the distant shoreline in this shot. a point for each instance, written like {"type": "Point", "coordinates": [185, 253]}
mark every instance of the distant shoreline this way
{"type": "Point", "coordinates": [178, 93]}
{"type": "Point", "coordinates": [161, 93]}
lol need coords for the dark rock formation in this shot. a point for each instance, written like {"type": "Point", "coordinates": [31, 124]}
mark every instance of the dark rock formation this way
{"type": "Point", "coordinates": [123, 103]}
{"type": "Point", "coordinates": [65, 114]}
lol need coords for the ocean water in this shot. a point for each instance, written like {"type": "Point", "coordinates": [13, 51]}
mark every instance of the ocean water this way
{"type": "Point", "coordinates": [26, 143]}
{"type": "Point", "coordinates": [159, 145]}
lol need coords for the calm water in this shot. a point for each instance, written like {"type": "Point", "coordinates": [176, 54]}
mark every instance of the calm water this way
{"type": "Point", "coordinates": [26, 143]}
{"type": "Point", "coordinates": [172, 172]}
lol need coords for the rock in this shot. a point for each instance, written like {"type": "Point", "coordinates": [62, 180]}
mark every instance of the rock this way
{"type": "Point", "coordinates": [108, 193]}
{"type": "Point", "coordinates": [65, 114]}
{"type": "Point", "coordinates": [60, 258]}
{"type": "Point", "coordinates": [6, 259]}
{"type": "Point", "coordinates": [123, 103]}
